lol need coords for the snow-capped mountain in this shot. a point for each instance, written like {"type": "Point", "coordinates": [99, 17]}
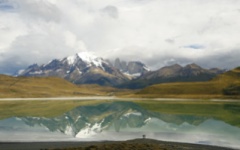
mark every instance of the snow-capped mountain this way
{"type": "Point", "coordinates": [133, 69]}
{"type": "Point", "coordinates": [80, 68]}
{"type": "Point", "coordinates": [88, 58]}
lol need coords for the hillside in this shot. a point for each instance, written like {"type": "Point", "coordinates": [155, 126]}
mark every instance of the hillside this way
{"type": "Point", "coordinates": [48, 87]}
{"type": "Point", "coordinates": [224, 85]}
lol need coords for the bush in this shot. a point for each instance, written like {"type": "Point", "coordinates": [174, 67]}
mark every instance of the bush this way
{"type": "Point", "coordinates": [233, 89]}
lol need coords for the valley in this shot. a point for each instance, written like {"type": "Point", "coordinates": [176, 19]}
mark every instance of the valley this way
{"type": "Point", "coordinates": [119, 74]}
{"type": "Point", "coordinates": [223, 86]}
{"type": "Point", "coordinates": [84, 97]}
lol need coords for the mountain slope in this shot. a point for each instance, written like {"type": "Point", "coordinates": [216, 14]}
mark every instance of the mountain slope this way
{"type": "Point", "coordinates": [37, 87]}
{"type": "Point", "coordinates": [174, 73]}
{"type": "Point", "coordinates": [219, 87]}
{"type": "Point", "coordinates": [82, 68]}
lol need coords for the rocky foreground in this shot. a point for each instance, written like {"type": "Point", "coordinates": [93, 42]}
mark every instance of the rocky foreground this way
{"type": "Point", "coordinates": [137, 144]}
{"type": "Point", "coordinates": [143, 144]}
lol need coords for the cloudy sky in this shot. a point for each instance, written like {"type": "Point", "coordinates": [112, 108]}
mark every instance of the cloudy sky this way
{"type": "Point", "coordinates": [156, 32]}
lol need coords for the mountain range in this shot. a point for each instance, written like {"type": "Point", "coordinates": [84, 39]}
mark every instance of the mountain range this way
{"type": "Point", "coordinates": [86, 68]}
{"type": "Point", "coordinates": [226, 84]}
{"type": "Point", "coordinates": [173, 73]}
{"type": "Point", "coordinates": [81, 68]}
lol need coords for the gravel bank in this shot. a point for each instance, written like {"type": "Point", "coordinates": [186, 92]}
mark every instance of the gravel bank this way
{"type": "Point", "coordinates": [136, 144]}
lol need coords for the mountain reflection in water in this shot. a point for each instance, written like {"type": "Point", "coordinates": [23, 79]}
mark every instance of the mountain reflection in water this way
{"type": "Point", "coordinates": [120, 121]}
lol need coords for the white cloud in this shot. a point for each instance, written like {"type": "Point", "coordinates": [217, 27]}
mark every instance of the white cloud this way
{"type": "Point", "coordinates": [111, 11]}
{"type": "Point", "coordinates": [158, 32]}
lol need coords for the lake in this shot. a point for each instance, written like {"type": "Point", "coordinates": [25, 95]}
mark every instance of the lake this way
{"type": "Point", "coordinates": [210, 123]}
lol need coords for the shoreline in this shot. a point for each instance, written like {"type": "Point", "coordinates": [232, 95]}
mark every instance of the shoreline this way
{"type": "Point", "coordinates": [129, 144]}
{"type": "Point", "coordinates": [118, 98]}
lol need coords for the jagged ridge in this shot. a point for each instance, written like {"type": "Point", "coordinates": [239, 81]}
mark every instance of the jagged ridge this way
{"type": "Point", "coordinates": [82, 68]}
{"type": "Point", "coordinates": [174, 73]}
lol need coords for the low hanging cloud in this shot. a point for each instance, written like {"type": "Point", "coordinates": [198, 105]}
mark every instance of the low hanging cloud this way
{"type": "Point", "coordinates": [157, 32]}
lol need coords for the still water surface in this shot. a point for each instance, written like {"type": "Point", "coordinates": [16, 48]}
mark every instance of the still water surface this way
{"type": "Point", "coordinates": [120, 121]}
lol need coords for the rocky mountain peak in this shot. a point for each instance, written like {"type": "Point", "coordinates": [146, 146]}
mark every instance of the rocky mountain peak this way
{"type": "Point", "coordinates": [131, 68]}
{"type": "Point", "coordinates": [86, 57]}
{"type": "Point", "coordinates": [193, 66]}
{"type": "Point", "coordinates": [81, 68]}
{"type": "Point", "coordinates": [168, 70]}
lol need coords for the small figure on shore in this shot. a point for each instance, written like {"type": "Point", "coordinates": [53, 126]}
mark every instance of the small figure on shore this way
{"type": "Point", "coordinates": [144, 136]}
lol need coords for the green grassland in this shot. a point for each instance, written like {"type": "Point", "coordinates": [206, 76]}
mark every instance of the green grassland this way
{"type": "Point", "coordinates": [226, 85]}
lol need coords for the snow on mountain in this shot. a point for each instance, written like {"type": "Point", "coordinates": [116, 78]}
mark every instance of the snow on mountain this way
{"type": "Point", "coordinates": [133, 69]}
{"type": "Point", "coordinates": [71, 59]}
{"type": "Point", "coordinates": [81, 68]}
{"type": "Point", "coordinates": [91, 59]}
{"type": "Point", "coordinates": [86, 57]}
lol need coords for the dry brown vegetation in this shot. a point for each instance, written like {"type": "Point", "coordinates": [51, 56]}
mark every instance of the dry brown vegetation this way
{"type": "Point", "coordinates": [208, 89]}
{"type": "Point", "coordinates": [14, 87]}
{"type": "Point", "coordinates": [57, 87]}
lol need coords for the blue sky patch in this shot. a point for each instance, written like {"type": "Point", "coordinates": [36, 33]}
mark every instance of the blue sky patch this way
{"type": "Point", "coordinates": [6, 6]}
{"type": "Point", "coordinates": [195, 46]}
